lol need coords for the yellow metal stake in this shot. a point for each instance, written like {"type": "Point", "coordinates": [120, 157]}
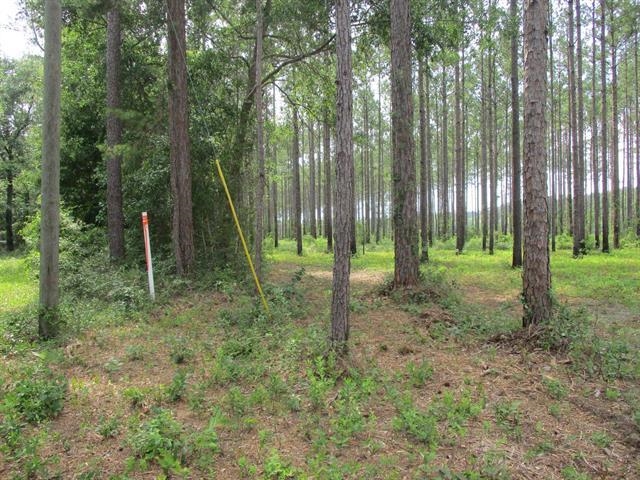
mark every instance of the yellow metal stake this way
{"type": "Point", "coordinates": [244, 243]}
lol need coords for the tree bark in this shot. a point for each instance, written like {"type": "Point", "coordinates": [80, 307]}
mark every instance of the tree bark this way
{"type": "Point", "coordinates": [493, 173]}
{"type": "Point", "coordinates": [344, 180]}
{"type": "Point", "coordinates": [554, 151]}
{"type": "Point", "coordinates": [261, 180]}
{"type": "Point", "coordinates": [578, 198]}
{"type": "Point", "coordinates": [536, 272]}
{"type": "Point", "coordinates": [366, 173]}
{"type": "Point", "coordinates": [461, 209]}
{"type": "Point", "coordinates": [297, 201]}
{"type": "Point", "coordinates": [274, 194]}
{"type": "Point", "coordinates": [115, 215]}
{"type": "Point", "coordinates": [603, 126]}
{"type": "Point", "coordinates": [404, 172]}
{"type": "Point", "coordinates": [580, 194]}
{"type": "Point", "coordinates": [637, 109]}
{"type": "Point", "coordinates": [50, 210]}
{"type": "Point", "coordinates": [516, 193]}
{"type": "Point", "coordinates": [594, 130]}
{"type": "Point", "coordinates": [319, 185]}
{"type": "Point", "coordinates": [312, 182]}
{"type": "Point", "coordinates": [444, 181]}
{"type": "Point", "coordinates": [483, 155]}
{"type": "Point", "coordinates": [615, 177]}
{"type": "Point", "coordinates": [8, 215]}
{"type": "Point", "coordinates": [182, 212]}
{"type": "Point", "coordinates": [326, 152]}
{"type": "Point", "coordinates": [380, 202]}
{"type": "Point", "coordinates": [424, 233]}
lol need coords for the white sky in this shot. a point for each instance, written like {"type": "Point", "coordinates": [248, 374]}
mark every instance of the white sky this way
{"type": "Point", "coordinates": [15, 36]}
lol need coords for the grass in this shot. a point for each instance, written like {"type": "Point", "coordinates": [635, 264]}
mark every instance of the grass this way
{"type": "Point", "coordinates": [204, 385]}
{"type": "Point", "coordinates": [17, 288]}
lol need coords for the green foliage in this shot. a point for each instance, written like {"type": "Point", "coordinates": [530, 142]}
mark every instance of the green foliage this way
{"type": "Point", "coordinates": [134, 352]}
{"type": "Point", "coordinates": [86, 273]}
{"type": "Point", "coordinates": [247, 469]}
{"type": "Point", "coordinates": [570, 473]}
{"type": "Point", "coordinates": [566, 327]}
{"type": "Point", "coordinates": [176, 389]}
{"type": "Point", "coordinates": [113, 365]}
{"type": "Point", "coordinates": [610, 358]}
{"type": "Point", "coordinates": [509, 417]}
{"type": "Point", "coordinates": [556, 389]}
{"type": "Point", "coordinates": [419, 425]}
{"type": "Point", "coordinates": [321, 378]}
{"type": "Point", "coordinates": [237, 401]}
{"type": "Point", "coordinates": [204, 445]}
{"type": "Point", "coordinates": [36, 397]}
{"type": "Point", "coordinates": [601, 439]}
{"type": "Point", "coordinates": [457, 411]}
{"type": "Point", "coordinates": [419, 374]}
{"type": "Point", "coordinates": [349, 419]}
{"type": "Point", "coordinates": [160, 440]}
{"type": "Point", "coordinates": [275, 468]}
{"type": "Point", "coordinates": [108, 427]}
{"type": "Point", "coordinates": [179, 350]}
{"type": "Point", "coordinates": [434, 287]}
{"type": "Point", "coordinates": [17, 289]}
{"type": "Point", "coordinates": [134, 395]}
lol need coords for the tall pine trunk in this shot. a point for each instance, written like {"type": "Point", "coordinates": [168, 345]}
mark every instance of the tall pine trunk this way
{"type": "Point", "coordinates": [380, 193]}
{"type": "Point", "coordinates": [424, 235]}
{"type": "Point", "coordinates": [297, 201]}
{"type": "Point", "coordinates": [483, 155]}
{"type": "Point", "coordinates": [516, 203]}
{"type": "Point", "coordinates": [603, 126]}
{"type": "Point", "coordinates": [8, 213]}
{"type": "Point", "coordinates": [576, 162]}
{"type": "Point", "coordinates": [50, 209]}
{"type": "Point", "coordinates": [404, 172]}
{"type": "Point", "coordinates": [594, 132]}
{"type": "Point", "coordinates": [493, 173]}
{"type": "Point", "coordinates": [261, 180]}
{"type": "Point", "coordinates": [312, 182]}
{"type": "Point", "coordinates": [637, 111]}
{"type": "Point", "coordinates": [115, 215]}
{"type": "Point", "coordinates": [326, 152]}
{"type": "Point", "coordinates": [444, 179]}
{"type": "Point", "coordinates": [615, 168]}
{"type": "Point", "coordinates": [182, 213]}
{"type": "Point", "coordinates": [344, 180]}
{"type": "Point", "coordinates": [536, 273]}
{"type": "Point", "coordinates": [461, 209]}
{"type": "Point", "coordinates": [580, 202]}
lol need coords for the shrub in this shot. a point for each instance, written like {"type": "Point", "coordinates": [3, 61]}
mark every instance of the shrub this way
{"type": "Point", "coordinates": [38, 396]}
{"type": "Point", "coordinates": [160, 440]}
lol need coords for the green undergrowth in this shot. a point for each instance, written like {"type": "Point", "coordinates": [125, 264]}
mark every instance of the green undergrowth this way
{"type": "Point", "coordinates": [205, 379]}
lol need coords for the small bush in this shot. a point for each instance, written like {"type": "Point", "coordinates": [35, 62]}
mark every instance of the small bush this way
{"type": "Point", "coordinates": [179, 350]}
{"type": "Point", "coordinates": [159, 440]}
{"type": "Point", "coordinates": [419, 425]}
{"type": "Point", "coordinates": [567, 327]}
{"type": "Point", "coordinates": [277, 469]}
{"type": "Point", "coordinates": [509, 417]}
{"type": "Point", "coordinates": [176, 389]}
{"type": "Point", "coordinates": [108, 427]}
{"type": "Point", "coordinates": [419, 374]}
{"type": "Point", "coordinates": [38, 396]}
{"type": "Point", "coordinates": [555, 388]}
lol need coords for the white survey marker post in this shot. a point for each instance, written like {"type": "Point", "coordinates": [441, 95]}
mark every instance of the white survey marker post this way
{"type": "Point", "coordinates": [147, 254]}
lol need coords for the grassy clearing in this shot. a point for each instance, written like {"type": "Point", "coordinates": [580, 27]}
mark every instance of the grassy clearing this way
{"type": "Point", "coordinates": [204, 385]}
{"type": "Point", "coordinates": [17, 288]}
